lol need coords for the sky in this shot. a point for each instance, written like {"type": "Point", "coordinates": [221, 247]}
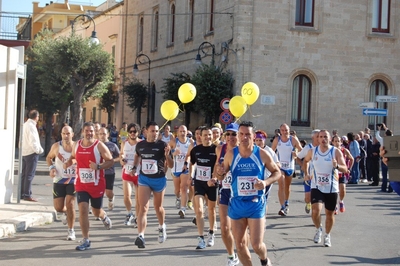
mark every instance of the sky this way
{"type": "Point", "coordinates": [26, 5]}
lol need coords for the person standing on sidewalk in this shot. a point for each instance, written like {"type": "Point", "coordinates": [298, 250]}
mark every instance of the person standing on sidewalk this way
{"type": "Point", "coordinates": [154, 156]}
{"type": "Point", "coordinates": [31, 149]}
{"type": "Point", "coordinates": [63, 179]}
{"type": "Point", "coordinates": [92, 157]}
{"type": "Point", "coordinates": [326, 161]}
{"type": "Point", "coordinates": [384, 167]}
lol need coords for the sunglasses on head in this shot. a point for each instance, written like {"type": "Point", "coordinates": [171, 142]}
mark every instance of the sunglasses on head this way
{"type": "Point", "coordinates": [233, 134]}
{"type": "Point", "coordinates": [133, 131]}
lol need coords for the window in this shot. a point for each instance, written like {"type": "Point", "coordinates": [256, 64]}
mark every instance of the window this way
{"type": "Point", "coordinates": [93, 114]}
{"type": "Point", "coordinates": [305, 13]}
{"type": "Point", "coordinates": [84, 114]}
{"type": "Point", "coordinates": [155, 31]}
{"type": "Point", "coordinates": [378, 87]}
{"type": "Point", "coordinates": [191, 19]}
{"type": "Point", "coordinates": [172, 25]}
{"type": "Point", "coordinates": [211, 23]}
{"type": "Point", "coordinates": [380, 15]}
{"type": "Point", "coordinates": [140, 34]}
{"type": "Point", "coordinates": [301, 101]}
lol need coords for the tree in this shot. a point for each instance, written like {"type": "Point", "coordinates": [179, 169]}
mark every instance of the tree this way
{"type": "Point", "coordinates": [170, 91]}
{"type": "Point", "coordinates": [137, 94]}
{"type": "Point", "coordinates": [107, 102]}
{"type": "Point", "coordinates": [70, 68]}
{"type": "Point", "coordinates": [212, 84]}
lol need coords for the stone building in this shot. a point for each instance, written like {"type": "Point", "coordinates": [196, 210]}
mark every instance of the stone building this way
{"type": "Point", "coordinates": [314, 61]}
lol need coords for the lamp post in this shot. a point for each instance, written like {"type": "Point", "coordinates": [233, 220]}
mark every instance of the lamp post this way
{"type": "Point", "coordinates": [204, 46]}
{"type": "Point", "coordinates": [136, 72]}
{"type": "Point", "coordinates": [93, 38]}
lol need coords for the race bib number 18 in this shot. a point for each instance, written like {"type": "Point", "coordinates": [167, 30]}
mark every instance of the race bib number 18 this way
{"type": "Point", "coordinates": [203, 173]}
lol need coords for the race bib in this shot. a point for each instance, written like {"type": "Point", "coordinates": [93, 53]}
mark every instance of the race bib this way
{"type": "Point", "coordinates": [87, 175]}
{"type": "Point", "coordinates": [70, 172]}
{"type": "Point", "coordinates": [323, 180]}
{"type": "Point", "coordinates": [226, 183]}
{"type": "Point", "coordinates": [203, 173]}
{"type": "Point", "coordinates": [149, 166]}
{"type": "Point", "coordinates": [246, 186]}
{"type": "Point", "coordinates": [128, 168]}
{"type": "Point", "coordinates": [180, 157]}
{"type": "Point", "coordinates": [285, 165]}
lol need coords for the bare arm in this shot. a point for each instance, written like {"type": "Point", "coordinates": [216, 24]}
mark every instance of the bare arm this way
{"type": "Point", "coordinates": [272, 167]}
{"type": "Point", "coordinates": [351, 158]}
{"type": "Point", "coordinates": [306, 161]}
{"type": "Point", "coordinates": [339, 162]}
{"type": "Point", "coordinates": [69, 162]}
{"type": "Point", "coordinates": [274, 144]}
{"type": "Point", "coordinates": [49, 159]}
{"type": "Point", "coordinates": [106, 155]}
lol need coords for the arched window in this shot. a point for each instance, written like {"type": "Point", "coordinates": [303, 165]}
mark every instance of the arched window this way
{"type": "Point", "coordinates": [140, 35]}
{"type": "Point", "coordinates": [191, 19]}
{"type": "Point", "coordinates": [211, 28]}
{"type": "Point", "coordinates": [378, 87]}
{"type": "Point", "coordinates": [301, 101]}
{"type": "Point", "coordinates": [155, 31]}
{"type": "Point", "coordinates": [172, 25]}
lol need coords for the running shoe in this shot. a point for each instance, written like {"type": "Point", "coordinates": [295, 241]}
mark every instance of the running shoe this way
{"type": "Point", "coordinates": [140, 242]}
{"type": "Point", "coordinates": [85, 244]}
{"type": "Point", "coordinates": [282, 211]}
{"type": "Point", "coordinates": [327, 240]}
{"type": "Point", "coordinates": [128, 219]}
{"type": "Point", "coordinates": [266, 262]}
{"type": "Point", "coordinates": [210, 240]}
{"type": "Point", "coordinates": [178, 203]}
{"type": "Point", "coordinates": [201, 244]}
{"type": "Point", "coordinates": [134, 223]}
{"type": "Point", "coordinates": [64, 219]}
{"type": "Point", "coordinates": [308, 207]}
{"type": "Point", "coordinates": [232, 261]}
{"type": "Point", "coordinates": [341, 207]}
{"type": "Point", "coordinates": [162, 235]}
{"type": "Point", "coordinates": [190, 205]}
{"type": "Point", "coordinates": [181, 213]}
{"type": "Point", "coordinates": [286, 210]}
{"type": "Point", "coordinates": [111, 204]}
{"type": "Point", "coordinates": [107, 223]}
{"type": "Point", "coordinates": [336, 211]}
{"type": "Point", "coordinates": [318, 235]}
{"type": "Point", "coordinates": [97, 219]}
{"type": "Point", "coordinates": [71, 235]}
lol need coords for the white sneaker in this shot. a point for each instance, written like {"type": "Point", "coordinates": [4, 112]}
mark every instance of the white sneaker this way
{"type": "Point", "coordinates": [181, 213]}
{"type": "Point", "coordinates": [318, 235]}
{"type": "Point", "coordinates": [201, 244]}
{"type": "Point", "coordinates": [64, 219]}
{"type": "Point", "coordinates": [107, 223]}
{"type": "Point", "coordinates": [71, 235]}
{"type": "Point", "coordinates": [128, 219]}
{"type": "Point", "coordinates": [327, 240]}
{"type": "Point", "coordinates": [162, 235]}
{"type": "Point", "coordinates": [178, 203]}
{"type": "Point", "coordinates": [232, 261]}
{"type": "Point", "coordinates": [210, 240]}
{"type": "Point", "coordinates": [111, 204]}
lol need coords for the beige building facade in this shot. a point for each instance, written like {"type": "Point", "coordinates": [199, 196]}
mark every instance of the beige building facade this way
{"type": "Point", "coordinates": [315, 61]}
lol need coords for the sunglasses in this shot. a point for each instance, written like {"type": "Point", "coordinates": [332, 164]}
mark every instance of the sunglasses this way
{"type": "Point", "coordinates": [189, 136]}
{"type": "Point", "coordinates": [133, 132]}
{"type": "Point", "coordinates": [233, 134]}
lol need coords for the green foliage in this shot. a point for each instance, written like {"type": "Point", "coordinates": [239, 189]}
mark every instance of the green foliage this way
{"type": "Point", "coordinates": [171, 87]}
{"type": "Point", "coordinates": [108, 100]}
{"type": "Point", "coordinates": [136, 93]}
{"type": "Point", "coordinates": [212, 84]}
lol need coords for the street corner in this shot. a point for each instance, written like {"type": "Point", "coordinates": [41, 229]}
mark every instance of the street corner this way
{"type": "Point", "coordinates": [8, 227]}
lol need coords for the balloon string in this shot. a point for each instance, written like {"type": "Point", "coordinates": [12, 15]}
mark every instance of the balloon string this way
{"type": "Point", "coordinates": [183, 108]}
{"type": "Point", "coordinates": [252, 113]}
{"type": "Point", "coordinates": [163, 125]}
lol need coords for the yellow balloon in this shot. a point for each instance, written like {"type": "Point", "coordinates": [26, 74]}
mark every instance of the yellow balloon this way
{"type": "Point", "coordinates": [169, 110]}
{"type": "Point", "coordinates": [237, 106]}
{"type": "Point", "coordinates": [187, 93]}
{"type": "Point", "coordinates": [250, 92]}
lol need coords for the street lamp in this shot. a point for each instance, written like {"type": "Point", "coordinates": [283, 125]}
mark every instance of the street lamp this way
{"type": "Point", "coordinates": [204, 46]}
{"type": "Point", "coordinates": [136, 72]}
{"type": "Point", "coordinates": [93, 38]}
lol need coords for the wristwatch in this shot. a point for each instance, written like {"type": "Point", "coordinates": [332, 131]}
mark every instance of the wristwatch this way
{"type": "Point", "coordinates": [98, 167]}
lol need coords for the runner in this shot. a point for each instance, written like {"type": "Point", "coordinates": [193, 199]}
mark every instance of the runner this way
{"type": "Point", "coordinates": [154, 158]}
{"type": "Point", "coordinates": [285, 145]}
{"type": "Point", "coordinates": [204, 157]}
{"type": "Point", "coordinates": [92, 157]}
{"type": "Point", "coordinates": [247, 205]}
{"type": "Point", "coordinates": [179, 148]}
{"type": "Point", "coordinates": [129, 177]}
{"type": "Point", "coordinates": [326, 162]}
{"type": "Point", "coordinates": [109, 172]}
{"type": "Point", "coordinates": [63, 180]}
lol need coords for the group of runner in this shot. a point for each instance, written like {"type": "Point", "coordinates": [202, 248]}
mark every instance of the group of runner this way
{"type": "Point", "coordinates": [235, 168]}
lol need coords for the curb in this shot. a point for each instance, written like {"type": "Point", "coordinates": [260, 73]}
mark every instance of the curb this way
{"type": "Point", "coordinates": [8, 227]}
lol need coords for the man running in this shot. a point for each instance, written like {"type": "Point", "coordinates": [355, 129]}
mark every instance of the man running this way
{"type": "Point", "coordinates": [154, 158]}
{"type": "Point", "coordinates": [247, 163]}
{"type": "Point", "coordinates": [63, 180]}
{"type": "Point", "coordinates": [204, 157]}
{"type": "Point", "coordinates": [110, 172]}
{"type": "Point", "coordinates": [285, 145]}
{"type": "Point", "coordinates": [129, 177]}
{"type": "Point", "coordinates": [327, 161]}
{"type": "Point", "coordinates": [179, 148]}
{"type": "Point", "coordinates": [92, 157]}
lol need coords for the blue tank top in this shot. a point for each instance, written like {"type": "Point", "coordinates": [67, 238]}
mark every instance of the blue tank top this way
{"type": "Point", "coordinates": [245, 171]}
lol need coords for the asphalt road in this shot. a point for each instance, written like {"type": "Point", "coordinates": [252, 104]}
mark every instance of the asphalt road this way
{"type": "Point", "coordinates": [366, 234]}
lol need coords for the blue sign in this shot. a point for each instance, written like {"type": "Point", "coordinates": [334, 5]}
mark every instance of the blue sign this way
{"type": "Point", "coordinates": [225, 117]}
{"type": "Point", "coordinates": [375, 111]}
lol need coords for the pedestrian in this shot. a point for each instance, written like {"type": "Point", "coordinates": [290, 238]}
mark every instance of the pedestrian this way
{"type": "Point", "coordinates": [31, 149]}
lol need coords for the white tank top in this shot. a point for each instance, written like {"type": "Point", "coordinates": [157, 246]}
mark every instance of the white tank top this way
{"type": "Point", "coordinates": [63, 176]}
{"type": "Point", "coordinates": [166, 139]}
{"type": "Point", "coordinates": [285, 154]}
{"type": "Point", "coordinates": [274, 156]}
{"type": "Point", "coordinates": [180, 158]}
{"type": "Point", "coordinates": [129, 155]}
{"type": "Point", "coordinates": [324, 177]}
